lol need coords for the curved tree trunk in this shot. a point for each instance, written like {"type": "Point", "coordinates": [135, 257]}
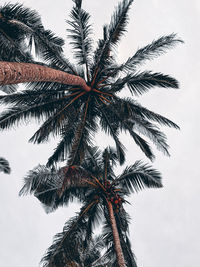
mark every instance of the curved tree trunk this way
{"type": "Point", "coordinates": [118, 248]}
{"type": "Point", "coordinates": [14, 72]}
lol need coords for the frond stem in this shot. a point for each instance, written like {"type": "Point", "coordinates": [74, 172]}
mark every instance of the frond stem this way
{"type": "Point", "coordinates": [105, 99]}
{"type": "Point", "coordinates": [91, 183]}
{"type": "Point", "coordinates": [82, 93]}
{"type": "Point", "coordinates": [103, 80]}
{"type": "Point", "coordinates": [95, 75]}
{"type": "Point", "coordinates": [102, 187]}
{"type": "Point", "coordinates": [100, 92]}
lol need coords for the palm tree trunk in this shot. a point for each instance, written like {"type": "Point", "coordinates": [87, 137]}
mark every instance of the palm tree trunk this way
{"type": "Point", "coordinates": [117, 244]}
{"type": "Point", "coordinates": [14, 72]}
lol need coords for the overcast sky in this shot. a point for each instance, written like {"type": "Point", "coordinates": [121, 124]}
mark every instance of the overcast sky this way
{"type": "Point", "coordinates": [165, 222]}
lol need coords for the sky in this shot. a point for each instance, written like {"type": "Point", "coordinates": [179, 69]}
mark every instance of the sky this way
{"type": "Point", "coordinates": [165, 222]}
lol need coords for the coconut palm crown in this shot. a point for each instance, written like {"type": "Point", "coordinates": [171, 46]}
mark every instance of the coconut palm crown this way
{"type": "Point", "coordinates": [75, 101]}
{"type": "Point", "coordinates": [102, 194]}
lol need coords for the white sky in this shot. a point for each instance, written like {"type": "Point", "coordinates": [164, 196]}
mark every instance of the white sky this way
{"type": "Point", "coordinates": [165, 222]}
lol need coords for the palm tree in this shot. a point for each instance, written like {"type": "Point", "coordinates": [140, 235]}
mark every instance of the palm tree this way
{"type": "Point", "coordinates": [102, 194]}
{"type": "Point", "coordinates": [4, 165]}
{"type": "Point", "coordinates": [74, 102]}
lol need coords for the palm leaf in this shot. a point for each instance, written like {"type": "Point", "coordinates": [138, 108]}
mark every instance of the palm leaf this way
{"type": "Point", "coordinates": [118, 22]}
{"type": "Point", "coordinates": [4, 166]}
{"type": "Point", "coordinates": [63, 147]}
{"type": "Point", "coordinates": [137, 177]}
{"type": "Point", "coordinates": [112, 34]}
{"type": "Point", "coordinates": [141, 82]}
{"type": "Point", "coordinates": [148, 52]}
{"type": "Point", "coordinates": [80, 34]}
{"type": "Point", "coordinates": [43, 183]}
{"type": "Point", "coordinates": [65, 244]}
{"type": "Point", "coordinates": [125, 125]}
{"type": "Point", "coordinates": [47, 45]}
{"type": "Point", "coordinates": [131, 108]}
{"type": "Point", "coordinates": [83, 137]}
{"type": "Point", "coordinates": [153, 132]}
{"type": "Point", "coordinates": [14, 115]}
{"type": "Point", "coordinates": [31, 97]}
{"type": "Point", "coordinates": [12, 38]}
{"type": "Point", "coordinates": [46, 184]}
{"type": "Point", "coordinates": [64, 249]}
{"type": "Point", "coordinates": [54, 124]}
{"type": "Point", "coordinates": [110, 128]}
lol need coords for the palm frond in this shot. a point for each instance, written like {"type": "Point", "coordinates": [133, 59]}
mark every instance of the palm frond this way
{"type": "Point", "coordinates": [95, 216]}
{"type": "Point", "coordinates": [4, 166]}
{"type": "Point", "coordinates": [21, 113]}
{"type": "Point", "coordinates": [66, 245]}
{"type": "Point", "coordinates": [80, 34]}
{"type": "Point", "coordinates": [125, 125]}
{"type": "Point", "coordinates": [148, 114]}
{"type": "Point", "coordinates": [83, 136]}
{"type": "Point", "coordinates": [131, 108]}
{"type": "Point", "coordinates": [31, 97]}
{"type": "Point", "coordinates": [76, 135]}
{"type": "Point", "coordinates": [12, 50]}
{"type": "Point", "coordinates": [64, 249]}
{"type": "Point", "coordinates": [49, 47]}
{"type": "Point", "coordinates": [14, 33]}
{"type": "Point", "coordinates": [12, 37]}
{"type": "Point", "coordinates": [112, 34]}
{"type": "Point", "coordinates": [140, 83]}
{"type": "Point", "coordinates": [54, 124]}
{"type": "Point", "coordinates": [109, 156]}
{"type": "Point", "coordinates": [148, 52]}
{"type": "Point", "coordinates": [92, 157]}
{"type": "Point", "coordinates": [63, 147]}
{"type": "Point", "coordinates": [46, 44]}
{"type": "Point", "coordinates": [111, 129]}
{"type": "Point", "coordinates": [109, 160]}
{"type": "Point", "coordinates": [134, 122]}
{"type": "Point", "coordinates": [152, 132]}
{"type": "Point", "coordinates": [137, 177]}
{"type": "Point", "coordinates": [44, 184]}
{"type": "Point", "coordinates": [47, 183]}
{"type": "Point", "coordinates": [119, 21]}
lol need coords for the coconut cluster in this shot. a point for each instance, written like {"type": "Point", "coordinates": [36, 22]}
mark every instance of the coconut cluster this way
{"type": "Point", "coordinates": [113, 196]}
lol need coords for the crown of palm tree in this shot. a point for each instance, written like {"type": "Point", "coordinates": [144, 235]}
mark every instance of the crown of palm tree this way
{"type": "Point", "coordinates": [74, 102]}
{"type": "Point", "coordinates": [102, 193]}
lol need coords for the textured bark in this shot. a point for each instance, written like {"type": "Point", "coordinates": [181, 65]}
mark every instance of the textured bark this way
{"type": "Point", "coordinates": [118, 248]}
{"type": "Point", "coordinates": [14, 72]}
